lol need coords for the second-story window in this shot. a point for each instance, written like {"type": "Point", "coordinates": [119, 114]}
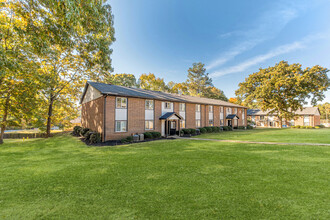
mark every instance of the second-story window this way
{"type": "Point", "coordinates": [121, 102]}
{"type": "Point", "coordinates": [221, 109]}
{"type": "Point", "coordinates": [182, 107]}
{"type": "Point", "coordinates": [210, 108]}
{"type": "Point", "coordinates": [167, 105]}
{"type": "Point", "coordinates": [235, 110]}
{"type": "Point", "coordinates": [149, 104]}
{"type": "Point", "coordinates": [198, 108]}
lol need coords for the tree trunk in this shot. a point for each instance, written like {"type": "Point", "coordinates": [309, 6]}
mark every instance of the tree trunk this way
{"type": "Point", "coordinates": [4, 119]}
{"type": "Point", "coordinates": [49, 117]}
{"type": "Point", "coordinates": [281, 122]}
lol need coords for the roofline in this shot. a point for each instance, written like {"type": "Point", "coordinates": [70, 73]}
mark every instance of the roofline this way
{"type": "Point", "coordinates": [237, 106]}
{"type": "Point", "coordinates": [111, 94]}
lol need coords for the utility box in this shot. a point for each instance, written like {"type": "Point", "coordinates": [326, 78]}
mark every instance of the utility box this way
{"type": "Point", "coordinates": [136, 138]}
{"type": "Point", "coordinates": [141, 137]}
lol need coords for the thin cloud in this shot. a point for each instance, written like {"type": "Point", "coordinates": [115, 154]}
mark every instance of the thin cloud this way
{"type": "Point", "coordinates": [287, 48]}
{"type": "Point", "coordinates": [267, 26]}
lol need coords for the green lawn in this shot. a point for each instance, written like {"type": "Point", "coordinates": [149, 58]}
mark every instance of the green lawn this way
{"type": "Point", "coordinates": [286, 135]}
{"type": "Point", "coordinates": [61, 178]}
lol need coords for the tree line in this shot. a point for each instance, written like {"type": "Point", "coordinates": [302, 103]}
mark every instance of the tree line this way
{"type": "Point", "coordinates": [198, 83]}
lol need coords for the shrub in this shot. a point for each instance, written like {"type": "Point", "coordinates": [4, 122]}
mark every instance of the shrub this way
{"type": "Point", "coordinates": [208, 129]}
{"type": "Point", "coordinates": [217, 129]}
{"type": "Point", "coordinates": [94, 138]}
{"type": "Point", "coordinates": [240, 127]}
{"type": "Point", "coordinates": [129, 139]}
{"type": "Point", "coordinates": [302, 126]}
{"type": "Point", "coordinates": [317, 127]}
{"type": "Point", "coordinates": [192, 131]}
{"type": "Point", "coordinates": [124, 140]}
{"type": "Point", "coordinates": [297, 126]}
{"type": "Point", "coordinates": [202, 130]}
{"type": "Point", "coordinates": [83, 131]}
{"type": "Point", "coordinates": [87, 135]}
{"type": "Point", "coordinates": [309, 127]}
{"type": "Point", "coordinates": [321, 126]}
{"type": "Point", "coordinates": [147, 135]}
{"type": "Point", "coordinates": [249, 127]}
{"type": "Point", "coordinates": [214, 129]}
{"type": "Point", "coordinates": [76, 130]}
{"type": "Point", "coordinates": [185, 131]}
{"type": "Point", "coordinates": [293, 127]}
{"type": "Point", "coordinates": [156, 134]}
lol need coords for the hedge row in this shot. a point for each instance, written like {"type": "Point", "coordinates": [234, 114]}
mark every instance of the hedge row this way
{"type": "Point", "coordinates": [308, 127]}
{"type": "Point", "coordinates": [89, 136]}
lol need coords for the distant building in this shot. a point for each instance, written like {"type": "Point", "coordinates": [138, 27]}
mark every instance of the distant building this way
{"type": "Point", "coordinates": [309, 116]}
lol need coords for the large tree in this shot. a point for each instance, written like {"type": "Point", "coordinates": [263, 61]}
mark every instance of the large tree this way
{"type": "Point", "coordinates": [214, 93]}
{"type": "Point", "coordinates": [284, 88]}
{"type": "Point", "coordinates": [76, 39]}
{"type": "Point", "coordinates": [198, 80]}
{"type": "Point", "coordinates": [178, 88]}
{"type": "Point", "coordinates": [151, 82]}
{"type": "Point", "coordinates": [122, 79]}
{"type": "Point", "coordinates": [324, 110]}
{"type": "Point", "coordinates": [18, 71]}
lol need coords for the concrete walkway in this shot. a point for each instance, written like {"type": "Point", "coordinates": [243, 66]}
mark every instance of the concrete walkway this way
{"type": "Point", "coordinates": [251, 142]}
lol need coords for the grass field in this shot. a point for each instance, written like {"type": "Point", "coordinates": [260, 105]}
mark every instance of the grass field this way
{"type": "Point", "coordinates": [286, 135]}
{"type": "Point", "coordinates": [61, 178]}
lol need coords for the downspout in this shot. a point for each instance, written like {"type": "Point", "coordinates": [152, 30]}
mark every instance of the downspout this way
{"type": "Point", "coordinates": [104, 117]}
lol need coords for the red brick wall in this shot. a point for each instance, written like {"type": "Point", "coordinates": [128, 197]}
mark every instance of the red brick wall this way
{"type": "Point", "coordinates": [317, 120]}
{"type": "Point", "coordinates": [92, 115]}
{"type": "Point", "coordinates": [190, 115]}
{"type": "Point", "coordinates": [216, 115]}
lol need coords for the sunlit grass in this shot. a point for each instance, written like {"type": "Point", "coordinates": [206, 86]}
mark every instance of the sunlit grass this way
{"type": "Point", "coordinates": [286, 135]}
{"type": "Point", "coordinates": [62, 178]}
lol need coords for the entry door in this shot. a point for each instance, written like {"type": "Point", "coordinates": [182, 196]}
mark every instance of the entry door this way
{"type": "Point", "coordinates": [229, 123]}
{"type": "Point", "coordinates": [172, 126]}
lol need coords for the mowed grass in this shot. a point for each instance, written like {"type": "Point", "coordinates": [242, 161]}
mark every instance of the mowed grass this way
{"type": "Point", "coordinates": [61, 178]}
{"type": "Point", "coordinates": [284, 135]}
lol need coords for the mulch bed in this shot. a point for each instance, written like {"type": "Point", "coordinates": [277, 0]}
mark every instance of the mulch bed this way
{"type": "Point", "coordinates": [118, 142]}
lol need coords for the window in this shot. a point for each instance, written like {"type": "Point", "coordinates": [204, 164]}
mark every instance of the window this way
{"type": "Point", "coordinates": [210, 108]}
{"type": "Point", "coordinates": [149, 125]}
{"type": "Point", "coordinates": [182, 124]}
{"type": "Point", "coordinates": [198, 123]}
{"type": "Point", "coordinates": [221, 122]}
{"type": "Point", "coordinates": [121, 102]}
{"type": "Point", "coordinates": [221, 109]}
{"type": "Point", "coordinates": [262, 117]}
{"type": "Point", "coordinates": [211, 122]}
{"type": "Point", "coordinates": [182, 107]}
{"type": "Point", "coordinates": [228, 112]}
{"type": "Point", "coordinates": [198, 108]}
{"type": "Point", "coordinates": [167, 105]}
{"type": "Point", "coordinates": [149, 104]}
{"type": "Point", "coordinates": [306, 120]}
{"type": "Point", "coordinates": [235, 110]}
{"type": "Point", "coordinates": [121, 126]}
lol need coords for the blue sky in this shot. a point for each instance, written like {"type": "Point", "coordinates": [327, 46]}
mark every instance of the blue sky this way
{"type": "Point", "coordinates": [232, 38]}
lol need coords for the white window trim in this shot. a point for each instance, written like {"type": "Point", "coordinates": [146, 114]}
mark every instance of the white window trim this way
{"type": "Point", "coordinates": [153, 125]}
{"type": "Point", "coordinates": [120, 125]}
{"type": "Point", "coordinates": [153, 104]}
{"type": "Point", "coordinates": [120, 103]}
{"type": "Point", "coordinates": [167, 105]}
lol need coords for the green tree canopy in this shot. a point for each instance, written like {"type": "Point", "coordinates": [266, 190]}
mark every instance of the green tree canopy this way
{"type": "Point", "coordinates": [198, 80]}
{"type": "Point", "coordinates": [284, 88]}
{"type": "Point", "coordinates": [123, 79]}
{"type": "Point", "coordinates": [324, 110]}
{"type": "Point", "coordinates": [151, 82]}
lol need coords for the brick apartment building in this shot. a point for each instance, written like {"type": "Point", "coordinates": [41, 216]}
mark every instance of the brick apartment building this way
{"type": "Point", "coordinates": [117, 111]}
{"type": "Point", "coordinates": [309, 116]}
